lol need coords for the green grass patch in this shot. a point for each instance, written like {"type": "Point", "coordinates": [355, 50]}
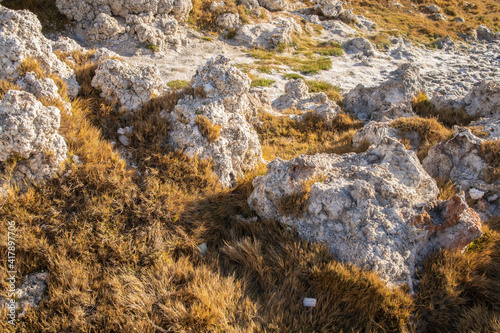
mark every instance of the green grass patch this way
{"type": "Point", "coordinates": [261, 82]}
{"type": "Point", "coordinates": [333, 92]}
{"type": "Point", "coordinates": [178, 84]}
{"type": "Point", "coordinates": [293, 76]}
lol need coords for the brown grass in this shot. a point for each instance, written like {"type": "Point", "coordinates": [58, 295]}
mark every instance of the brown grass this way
{"type": "Point", "coordinates": [447, 188]}
{"type": "Point", "coordinates": [31, 65]}
{"type": "Point", "coordinates": [429, 131]}
{"type": "Point", "coordinates": [207, 129]}
{"type": "Point", "coordinates": [490, 151]}
{"type": "Point", "coordinates": [286, 138]}
{"type": "Point", "coordinates": [5, 86]}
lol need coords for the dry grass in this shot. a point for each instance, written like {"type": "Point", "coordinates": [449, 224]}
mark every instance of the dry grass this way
{"type": "Point", "coordinates": [202, 18]}
{"type": "Point", "coordinates": [286, 138]}
{"type": "Point", "coordinates": [296, 203]}
{"type": "Point", "coordinates": [5, 86]}
{"type": "Point", "coordinates": [490, 151]}
{"type": "Point", "coordinates": [447, 188]}
{"type": "Point", "coordinates": [429, 132]}
{"type": "Point", "coordinates": [207, 129]}
{"type": "Point", "coordinates": [423, 107]}
{"type": "Point", "coordinates": [416, 26]}
{"type": "Point", "coordinates": [31, 65]}
{"type": "Point", "coordinates": [333, 92]}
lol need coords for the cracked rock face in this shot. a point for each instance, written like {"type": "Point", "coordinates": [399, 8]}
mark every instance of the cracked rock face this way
{"type": "Point", "coordinates": [133, 86]}
{"type": "Point", "coordinates": [29, 138]}
{"type": "Point", "coordinates": [459, 159]}
{"type": "Point", "coordinates": [223, 102]}
{"type": "Point", "coordinates": [364, 207]}
{"type": "Point", "coordinates": [297, 97]}
{"type": "Point", "coordinates": [390, 100]}
{"type": "Point", "coordinates": [20, 38]}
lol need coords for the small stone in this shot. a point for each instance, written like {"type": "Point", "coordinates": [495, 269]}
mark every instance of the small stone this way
{"type": "Point", "coordinates": [203, 248]}
{"type": "Point", "coordinates": [475, 194]}
{"type": "Point", "coordinates": [493, 197]}
{"type": "Point", "coordinates": [310, 302]}
{"type": "Point", "coordinates": [124, 140]}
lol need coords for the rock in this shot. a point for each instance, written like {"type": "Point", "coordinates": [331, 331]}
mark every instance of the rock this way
{"type": "Point", "coordinates": [459, 159]}
{"type": "Point", "coordinates": [212, 124]}
{"type": "Point", "coordinates": [30, 293]}
{"type": "Point", "coordinates": [347, 16]}
{"type": "Point", "coordinates": [438, 17]}
{"type": "Point", "coordinates": [329, 8]}
{"type": "Point", "coordinates": [484, 33]}
{"type": "Point", "coordinates": [268, 35]}
{"type": "Point", "coordinates": [391, 99]}
{"type": "Point", "coordinates": [365, 23]}
{"type": "Point", "coordinates": [133, 86]}
{"type": "Point", "coordinates": [297, 97]}
{"type": "Point", "coordinates": [359, 44]}
{"type": "Point", "coordinates": [490, 127]}
{"type": "Point", "coordinates": [432, 9]}
{"type": "Point", "coordinates": [216, 6]}
{"type": "Point", "coordinates": [446, 43]}
{"type": "Point", "coordinates": [42, 89]}
{"type": "Point", "coordinates": [274, 5]}
{"type": "Point", "coordinates": [367, 208]}
{"type": "Point", "coordinates": [483, 100]}
{"type": "Point", "coordinates": [20, 38]}
{"type": "Point", "coordinates": [374, 133]}
{"type": "Point", "coordinates": [459, 19]}
{"type": "Point", "coordinates": [29, 138]}
{"type": "Point", "coordinates": [228, 21]}
{"type": "Point", "coordinates": [476, 194]}
{"type": "Point", "coordinates": [252, 5]}
{"type": "Point", "coordinates": [160, 31]}
{"type": "Point", "coordinates": [66, 45]}
{"type": "Point", "coordinates": [104, 28]}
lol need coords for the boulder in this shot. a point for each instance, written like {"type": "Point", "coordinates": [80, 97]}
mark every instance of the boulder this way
{"type": "Point", "coordinates": [252, 5]}
{"type": "Point", "coordinates": [438, 17]}
{"type": "Point", "coordinates": [297, 97]}
{"type": "Point", "coordinates": [432, 9]}
{"type": "Point", "coordinates": [29, 139]}
{"type": "Point", "coordinates": [347, 16]}
{"type": "Point", "coordinates": [133, 86]}
{"type": "Point", "coordinates": [446, 44]}
{"type": "Point", "coordinates": [359, 45]}
{"type": "Point", "coordinates": [228, 21]}
{"type": "Point", "coordinates": [268, 35]}
{"type": "Point", "coordinates": [390, 100]}
{"type": "Point", "coordinates": [104, 27]}
{"type": "Point", "coordinates": [20, 38]}
{"type": "Point", "coordinates": [42, 89]}
{"type": "Point", "coordinates": [483, 100]}
{"type": "Point", "coordinates": [160, 31]}
{"type": "Point", "coordinates": [213, 123]}
{"type": "Point", "coordinates": [376, 209]}
{"type": "Point", "coordinates": [485, 34]}
{"type": "Point", "coordinates": [374, 133]}
{"type": "Point", "coordinates": [274, 5]}
{"type": "Point", "coordinates": [460, 160]}
{"type": "Point", "coordinates": [329, 8]}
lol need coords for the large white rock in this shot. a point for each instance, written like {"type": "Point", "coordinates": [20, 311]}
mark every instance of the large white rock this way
{"type": "Point", "coordinates": [29, 135]}
{"type": "Point", "coordinates": [297, 97]}
{"type": "Point", "coordinates": [21, 37]}
{"type": "Point", "coordinates": [367, 208]}
{"type": "Point", "coordinates": [330, 8]}
{"type": "Point", "coordinates": [390, 100]}
{"type": "Point", "coordinates": [268, 35]}
{"type": "Point", "coordinates": [484, 100]}
{"type": "Point", "coordinates": [133, 86]}
{"type": "Point", "coordinates": [222, 97]}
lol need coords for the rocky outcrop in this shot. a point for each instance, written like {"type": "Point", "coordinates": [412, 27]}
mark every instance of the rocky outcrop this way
{"type": "Point", "coordinates": [329, 8]}
{"type": "Point", "coordinates": [274, 5]}
{"type": "Point", "coordinates": [21, 38]}
{"type": "Point", "coordinates": [390, 100]}
{"type": "Point", "coordinates": [460, 160]}
{"type": "Point", "coordinates": [483, 100]}
{"type": "Point", "coordinates": [297, 97]}
{"type": "Point", "coordinates": [485, 34]}
{"type": "Point", "coordinates": [375, 209]}
{"type": "Point", "coordinates": [132, 86]}
{"type": "Point", "coordinates": [43, 89]}
{"type": "Point", "coordinates": [30, 145]}
{"type": "Point", "coordinates": [151, 22]}
{"type": "Point", "coordinates": [228, 21]}
{"type": "Point", "coordinates": [374, 133]}
{"type": "Point", "coordinates": [359, 45]}
{"type": "Point", "coordinates": [212, 124]}
{"type": "Point", "coordinates": [268, 35]}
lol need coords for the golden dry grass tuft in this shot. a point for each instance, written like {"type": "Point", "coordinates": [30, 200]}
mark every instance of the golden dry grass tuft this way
{"type": "Point", "coordinates": [207, 129]}
{"type": "Point", "coordinates": [447, 188]}
{"type": "Point", "coordinates": [31, 65]}
{"type": "Point", "coordinates": [5, 86]}
{"type": "Point", "coordinates": [490, 151]}
{"type": "Point", "coordinates": [429, 132]}
{"type": "Point", "coordinates": [286, 138]}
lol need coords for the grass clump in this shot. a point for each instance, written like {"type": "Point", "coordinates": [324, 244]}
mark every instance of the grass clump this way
{"type": "Point", "coordinates": [5, 86]}
{"type": "Point", "coordinates": [207, 129]}
{"type": "Point", "coordinates": [447, 188]}
{"type": "Point", "coordinates": [261, 82]}
{"type": "Point", "coordinates": [293, 76]}
{"type": "Point", "coordinates": [490, 151]}
{"type": "Point", "coordinates": [153, 48]}
{"type": "Point", "coordinates": [286, 138]}
{"type": "Point", "coordinates": [429, 132]}
{"type": "Point", "coordinates": [178, 84]}
{"type": "Point", "coordinates": [306, 64]}
{"type": "Point", "coordinates": [296, 203]}
{"type": "Point", "coordinates": [31, 65]}
{"type": "Point", "coordinates": [333, 92]}
{"type": "Point", "coordinates": [423, 107]}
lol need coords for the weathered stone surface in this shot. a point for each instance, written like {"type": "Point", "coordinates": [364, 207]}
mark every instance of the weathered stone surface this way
{"type": "Point", "coordinates": [104, 27]}
{"type": "Point", "coordinates": [485, 34]}
{"type": "Point", "coordinates": [20, 38]}
{"type": "Point", "coordinates": [223, 100]}
{"type": "Point", "coordinates": [365, 207]}
{"type": "Point", "coordinates": [446, 43]}
{"type": "Point", "coordinates": [490, 127]}
{"type": "Point", "coordinates": [359, 44]}
{"type": "Point", "coordinates": [133, 86]}
{"type": "Point", "coordinates": [347, 16]}
{"type": "Point", "coordinates": [484, 100]}
{"type": "Point", "coordinates": [228, 20]}
{"type": "Point", "coordinates": [459, 159]}
{"type": "Point", "coordinates": [29, 135]}
{"type": "Point", "coordinates": [42, 89]}
{"type": "Point", "coordinates": [297, 97]}
{"type": "Point", "coordinates": [252, 5]}
{"type": "Point", "coordinates": [274, 5]}
{"type": "Point", "coordinates": [66, 45]}
{"type": "Point", "coordinates": [30, 293]}
{"type": "Point", "coordinates": [329, 8]}
{"type": "Point", "coordinates": [390, 100]}
{"type": "Point", "coordinates": [374, 133]}
{"type": "Point", "coordinates": [268, 35]}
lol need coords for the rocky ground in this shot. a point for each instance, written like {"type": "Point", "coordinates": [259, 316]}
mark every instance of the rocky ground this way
{"type": "Point", "coordinates": [301, 149]}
